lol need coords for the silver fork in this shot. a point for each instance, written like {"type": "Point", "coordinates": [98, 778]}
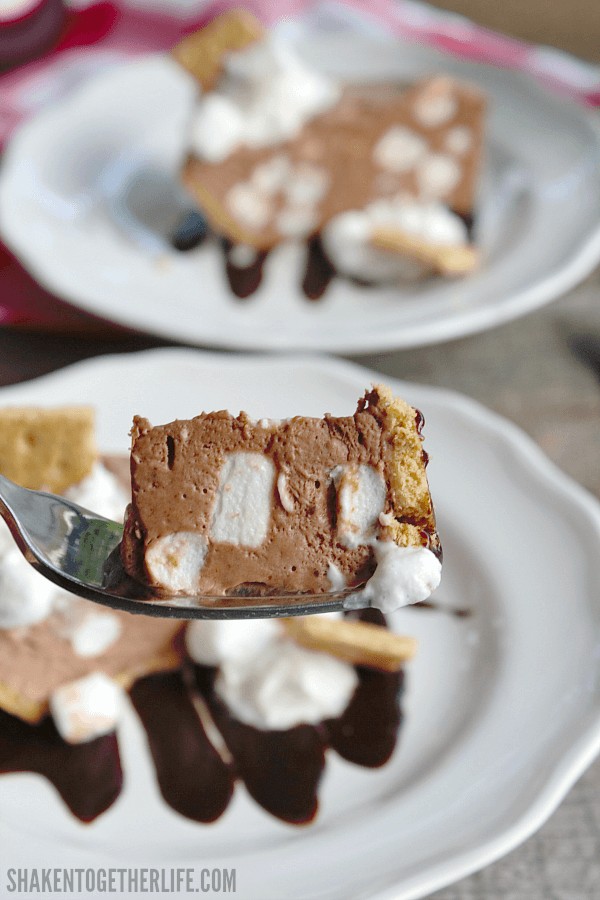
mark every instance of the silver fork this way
{"type": "Point", "coordinates": [78, 551]}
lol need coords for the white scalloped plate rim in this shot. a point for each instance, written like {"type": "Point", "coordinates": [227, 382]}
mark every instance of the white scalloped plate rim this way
{"type": "Point", "coordinates": [544, 478]}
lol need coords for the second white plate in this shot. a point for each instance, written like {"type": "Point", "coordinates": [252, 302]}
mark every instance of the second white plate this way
{"type": "Point", "coordinates": [539, 216]}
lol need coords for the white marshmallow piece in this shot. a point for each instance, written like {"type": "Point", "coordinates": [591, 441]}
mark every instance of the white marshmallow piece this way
{"type": "Point", "coordinates": [459, 140]}
{"type": "Point", "coordinates": [270, 176]}
{"type": "Point", "coordinates": [217, 128]}
{"type": "Point", "coordinates": [242, 256]}
{"type": "Point", "coordinates": [285, 685]}
{"type": "Point", "coordinates": [296, 221]}
{"type": "Point", "coordinates": [175, 561]}
{"type": "Point", "coordinates": [435, 106]}
{"type": "Point", "coordinates": [361, 493]}
{"type": "Point", "coordinates": [90, 632]}
{"type": "Point", "coordinates": [87, 708]}
{"type": "Point", "coordinates": [437, 175]}
{"type": "Point", "coordinates": [306, 185]}
{"type": "Point", "coordinates": [403, 575]}
{"type": "Point", "coordinates": [242, 510]}
{"type": "Point", "coordinates": [399, 149]}
{"type": "Point", "coordinates": [210, 642]}
{"type": "Point", "coordinates": [96, 633]}
{"type": "Point", "coordinates": [248, 205]}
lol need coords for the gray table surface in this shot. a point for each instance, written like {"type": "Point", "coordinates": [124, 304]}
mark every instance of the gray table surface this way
{"type": "Point", "coordinates": [527, 371]}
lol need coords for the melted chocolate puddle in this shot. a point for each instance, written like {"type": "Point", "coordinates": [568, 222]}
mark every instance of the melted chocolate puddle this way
{"type": "Point", "coordinates": [87, 776]}
{"type": "Point", "coordinates": [281, 769]}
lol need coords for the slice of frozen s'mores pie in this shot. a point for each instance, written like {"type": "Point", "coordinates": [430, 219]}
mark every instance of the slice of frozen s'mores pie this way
{"type": "Point", "coordinates": [220, 503]}
{"type": "Point", "coordinates": [383, 177]}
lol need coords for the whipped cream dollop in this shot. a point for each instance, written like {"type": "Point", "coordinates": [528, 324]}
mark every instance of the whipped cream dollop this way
{"type": "Point", "coordinates": [347, 237]}
{"type": "Point", "coordinates": [26, 597]}
{"type": "Point", "coordinates": [210, 642]}
{"type": "Point", "coordinates": [101, 492]}
{"type": "Point", "coordinates": [265, 96]}
{"type": "Point", "coordinates": [267, 680]}
{"type": "Point", "coordinates": [403, 575]}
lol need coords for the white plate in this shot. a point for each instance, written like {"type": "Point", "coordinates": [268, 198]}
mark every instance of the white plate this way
{"type": "Point", "coordinates": [539, 213]}
{"type": "Point", "coordinates": [502, 709]}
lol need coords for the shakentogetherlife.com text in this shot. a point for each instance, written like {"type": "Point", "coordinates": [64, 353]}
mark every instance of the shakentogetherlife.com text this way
{"type": "Point", "coordinates": [118, 881]}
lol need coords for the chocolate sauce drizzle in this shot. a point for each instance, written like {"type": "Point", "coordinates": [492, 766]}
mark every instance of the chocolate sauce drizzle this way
{"type": "Point", "coordinates": [192, 777]}
{"type": "Point", "coordinates": [243, 280]}
{"type": "Point", "coordinates": [281, 769]}
{"type": "Point", "coordinates": [88, 777]}
{"type": "Point", "coordinates": [319, 270]}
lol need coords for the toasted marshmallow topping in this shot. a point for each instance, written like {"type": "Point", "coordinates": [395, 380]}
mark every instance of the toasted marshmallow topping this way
{"type": "Point", "coordinates": [176, 560]}
{"type": "Point", "coordinates": [242, 510]}
{"type": "Point", "coordinates": [87, 708]}
{"type": "Point", "coordinates": [403, 575]}
{"type": "Point", "coordinates": [265, 97]}
{"type": "Point", "coordinates": [361, 493]}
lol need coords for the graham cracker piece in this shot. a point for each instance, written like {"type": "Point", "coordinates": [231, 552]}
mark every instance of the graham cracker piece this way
{"type": "Point", "coordinates": [407, 476]}
{"type": "Point", "coordinates": [47, 449]}
{"type": "Point", "coordinates": [450, 260]}
{"type": "Point", "coordinates": [359, 643]}
{"type": "Point", "coordinates": [201, 53]}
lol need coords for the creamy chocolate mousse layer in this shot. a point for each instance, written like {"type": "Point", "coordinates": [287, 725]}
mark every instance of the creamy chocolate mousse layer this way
{"type": "Point", "coordinates": [220, 501]}
{"type": "Point", "coordinates": [377, 142]}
